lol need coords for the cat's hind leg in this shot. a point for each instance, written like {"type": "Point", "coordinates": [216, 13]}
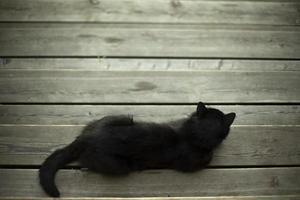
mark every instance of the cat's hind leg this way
{"type": "Point", "coordinates": [105, 163]}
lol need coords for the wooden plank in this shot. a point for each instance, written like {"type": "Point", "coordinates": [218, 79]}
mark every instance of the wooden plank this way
{"type": "Point", "coordinates": [146, 87]}
{"type": "Point", "coordinates": [209, 182]}
{"type": "Point", "coordinates": [135, 64]}
{"type": "Point", "coordinates": [265, 197]}
{"type": "Point", "coordinates": [159, 40]}
{"type": "Point", "coordinates": [162, 11]}
{"type": "Point", "coordinates": [82, 114]}
{"type": "Point", "coordinates": [245, 145]}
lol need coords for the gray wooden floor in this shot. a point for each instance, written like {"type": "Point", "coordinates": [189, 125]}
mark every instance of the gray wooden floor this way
{"type": "Point", "coordinates": [65, 63]}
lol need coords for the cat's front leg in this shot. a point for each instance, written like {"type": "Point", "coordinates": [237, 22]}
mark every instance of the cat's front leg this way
{"type": "Point", "coordinates": [205, 159]}
{"type": "Point", "coordinates": [192, 162]}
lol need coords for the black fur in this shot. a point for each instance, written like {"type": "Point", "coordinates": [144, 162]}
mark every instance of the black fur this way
{"type": "Point", "coordinates": [116, 145]}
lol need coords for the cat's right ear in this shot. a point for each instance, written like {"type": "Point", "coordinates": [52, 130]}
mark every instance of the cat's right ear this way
{"type": "Point", "coordinates": [229, 118]}
{"type": "Point", "coordinates": [201, 109]}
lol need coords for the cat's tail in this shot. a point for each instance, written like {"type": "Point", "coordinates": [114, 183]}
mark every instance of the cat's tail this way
{"type": "Point", "coordinates": [54, 162]}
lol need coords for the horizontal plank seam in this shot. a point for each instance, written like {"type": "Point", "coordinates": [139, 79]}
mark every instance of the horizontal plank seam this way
{"type": "Point", "coordinates": [156, 104]}
{"type": "Point", "coordinates": [72, 167]}
{"type": "Point", "coordinates": [81, 125]}
{"type": "Point", "coordinates": [275, 1]}
{"type": "Point", "coordinates": [155, 198]}
{"type": "Point", "coordinates": [145, 23]}
{"type": "Point", "coordinates": [152, 71]}
{"type": "Point", "coordinates": [152, 57]}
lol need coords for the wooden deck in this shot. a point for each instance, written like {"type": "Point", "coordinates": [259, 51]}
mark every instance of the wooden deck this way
{"type": "Point", "coordinates": [65, 63]}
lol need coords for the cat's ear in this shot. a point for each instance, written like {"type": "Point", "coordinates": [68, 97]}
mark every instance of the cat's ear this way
{"type": "Point", "coordinates": [229, 118]}
{"type": "Point", "coordinates": [201, 109]}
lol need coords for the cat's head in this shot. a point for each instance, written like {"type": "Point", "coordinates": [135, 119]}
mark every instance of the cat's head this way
{"type": "Point", "coordinates": [209, 126]}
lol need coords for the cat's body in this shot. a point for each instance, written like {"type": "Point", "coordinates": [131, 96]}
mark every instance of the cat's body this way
{"type": "Point", "coordinates": [116, 145]}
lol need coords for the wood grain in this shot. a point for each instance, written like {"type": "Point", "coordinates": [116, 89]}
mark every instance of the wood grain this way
{"type": "Point", "coordinates": [279, 115]}
{"type": "Point", "coordinates": [265, 197]}
{"type": "Point", "coordinates": [140, 64]}
{"type": "Point", "coordinates": [155, 11]}
{"type": "Point", "coordinates": [227, 41]}
{"type": "Point", "coordinates": [250, 53]}
{"type": "Point", "coordinates": [245, 146]}
{"type": "Point", "coordinates": [210, 182]}
{"type": "Point", "coordinates": [148, 87]}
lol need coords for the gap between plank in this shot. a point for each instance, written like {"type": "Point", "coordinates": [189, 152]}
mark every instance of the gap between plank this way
{"type": "Point", "coordinates": [153, 57]}
{"type": "Point", "coordinates": [82, 125]}
{"type": "Point", "coordinates": [155, 104]}
{"type": "Point", "coordinates": [72, 167]}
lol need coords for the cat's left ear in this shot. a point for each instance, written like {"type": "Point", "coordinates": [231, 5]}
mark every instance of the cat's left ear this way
{"type": "Point", "coordinates": [229, 118]}
{"type": "Point", "coordinates": [201, 109]}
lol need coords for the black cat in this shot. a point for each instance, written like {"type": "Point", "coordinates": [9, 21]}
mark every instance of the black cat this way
{"type": "Point", "coordinates": [116, 145]}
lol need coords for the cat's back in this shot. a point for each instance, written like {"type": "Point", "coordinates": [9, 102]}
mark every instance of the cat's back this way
{"type": "Point", "coordinates": [137, 136]}
{"type": "Point", "coordinates": [140, 131]}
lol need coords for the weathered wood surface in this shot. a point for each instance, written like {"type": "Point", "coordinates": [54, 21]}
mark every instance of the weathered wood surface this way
{"type": "Point", "coordinates": [82, 114]}
{"type": "Point", "coordinates": [146, 87]}
{"type": "Point", "coordinates": [155, 11]}
{"type": "Point", "coordinates": [209, 182]}
{"type": "Point", "coordinates": [135, 64]}
{"type": "Point", "coordinates": [264, 136]}
{"type": "Point", "coordinates": [245, 145]}
{"type": "Point", "coordinates": [265, 197]}
{"type": "Point", "coordinates": [56, 39]}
